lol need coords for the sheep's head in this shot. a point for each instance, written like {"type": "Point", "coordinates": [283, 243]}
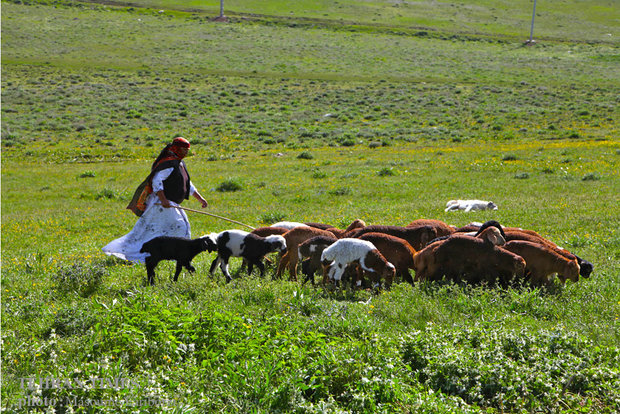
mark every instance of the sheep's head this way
{"type": "Point", "coordinates": [491, 223]}
{"type": "Point", "coordinates": [208, 243]}
{"type": "Point", "coordinates": [571, 272]}
{"type": "Point", "coordinates": [326, 263]}
{"type": "Point", "coordinates": [492, 235]}
{"type": "Point", "coordinates": [427, 234]}
{"type": "Point", "coordinates": [356, 224]}
{"type": "Point", "coordinates": [585, 268]}
{"type": "Point", "coordinates": [277, 242]}
{"type": "Point", "coordinates": [491, 206]}
{"type": "Point", "coordinates": [389, 272]}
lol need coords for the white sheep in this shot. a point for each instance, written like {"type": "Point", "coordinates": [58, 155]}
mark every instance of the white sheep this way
{"type": "Point", "coordinates": [469, 205]}
{"type": "Point", "coordinates": [343, 252]}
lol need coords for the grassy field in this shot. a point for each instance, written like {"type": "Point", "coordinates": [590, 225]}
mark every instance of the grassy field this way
{"type": "Point", "coordinates": [320, 111]}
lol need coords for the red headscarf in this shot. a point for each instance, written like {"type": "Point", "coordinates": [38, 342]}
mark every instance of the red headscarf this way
{"type": "Point", "coordinates": [177, 144]}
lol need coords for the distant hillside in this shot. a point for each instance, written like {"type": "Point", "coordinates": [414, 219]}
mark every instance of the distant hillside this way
{"type": "Point", "coordinates": [573, 20]}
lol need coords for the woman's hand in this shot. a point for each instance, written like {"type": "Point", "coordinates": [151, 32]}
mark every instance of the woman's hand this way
{"type": "Point", "coordinates": [198, 197]}
{"type": "Point", "coordinates": [163, 200]}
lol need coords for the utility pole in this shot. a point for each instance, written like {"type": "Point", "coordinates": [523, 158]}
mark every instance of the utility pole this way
{"type": "Point", "coordinates": [221, 17]}
{"type": "Point", "coordinates": [531, 39]}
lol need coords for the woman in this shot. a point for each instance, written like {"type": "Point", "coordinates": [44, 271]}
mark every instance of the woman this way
{"type": "Point", "coordinates": [154, 202]}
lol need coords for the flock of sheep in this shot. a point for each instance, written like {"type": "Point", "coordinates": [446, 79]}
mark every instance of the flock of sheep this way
{"type": "Point", "coordinates": [478, 252]}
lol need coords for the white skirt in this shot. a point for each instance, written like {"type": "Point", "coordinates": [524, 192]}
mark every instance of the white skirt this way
{"type": "Point", "coordinates": [156, 221]}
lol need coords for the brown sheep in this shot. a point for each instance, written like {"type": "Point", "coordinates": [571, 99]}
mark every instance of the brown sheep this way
{"type": "Point", "coordinates": [417, 237]}
{"type": "Point", "coordinates": [340, 233]}
{"type": "Point", "coordinates": [463, 257]}
{"type": "Point", "coordinates": [585, 267]}
{"type": "Point", "coordinates": [541, 262]}
{"type": "Point", "coordinates": [473, 259]}
{"type": "Point", "coordinates": [321, 226]}
{"type": "Point", "coordinates": [294, 238]}
{"type": "Point", "coordinates": [442, 228]}
{"type": "Point", "coordinates": [312, 249]}
{"type": "Point", "coordinates": [468, 228]}
{"type": "Point", "coordinates": [269, 231]}
{"type": "Point", "coordinates": [396, 250]}
{"type": "Point", "coordinates": [425, 263]}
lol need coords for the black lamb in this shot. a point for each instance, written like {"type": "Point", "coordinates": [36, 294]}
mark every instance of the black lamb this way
{"type": "Point", "coordinates": [181, 249]}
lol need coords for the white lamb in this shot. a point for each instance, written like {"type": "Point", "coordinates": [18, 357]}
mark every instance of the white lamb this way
{"type": "Point", "coordinates": [470, 205]}
{"type": "Point", "coordinates": [343, 252]}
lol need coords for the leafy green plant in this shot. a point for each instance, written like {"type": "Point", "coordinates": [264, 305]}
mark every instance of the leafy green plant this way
{"type": "Point", "coordinates": [340, 191]}
{"type": "Point", "coordinates": [87, 174]}
{"type": "Point", "coordinates": [272, 217]}
{"type": "Point", "coordinates": [318, 174]}
{"type": "Point", "coordinates": [513, 370]}
{"type": "Point", "coordinates": [591, 177]}
{"type": "Point", "coordinates": [107, 194]}
{"type": "Point", "coordinates": [229, 185]}
{"type": "Point", "coordinates": [83, 278]}
{"type": "Point", "coordinates": [386, 172]}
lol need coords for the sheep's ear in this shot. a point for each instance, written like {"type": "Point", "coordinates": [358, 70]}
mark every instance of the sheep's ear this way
{"type": "Point", "coordinates": [498, 240]}
{"type": "Point", "coordinates": [208, 244]}
{"type": "Point", "coordinates": [212, 246]}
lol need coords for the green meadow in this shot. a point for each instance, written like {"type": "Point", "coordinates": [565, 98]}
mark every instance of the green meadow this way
{"type": "Point", "coordinates": [307, 111]}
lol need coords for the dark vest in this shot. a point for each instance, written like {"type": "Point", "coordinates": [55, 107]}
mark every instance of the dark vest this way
{"type": "Point", "coordinates": [176, 186]}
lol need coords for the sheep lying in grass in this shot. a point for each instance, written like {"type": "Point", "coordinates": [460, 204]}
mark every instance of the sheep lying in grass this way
{"type": "Point", "coordinates": [470, 205]}
{"type": "Point", "coordinates": [344, 252]}
{"type": "Point", "coordinates": [239, 243]}
{"type": "Point", "coordinates": [181, 249]}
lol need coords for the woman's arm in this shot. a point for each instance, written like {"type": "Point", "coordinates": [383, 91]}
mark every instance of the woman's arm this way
{"type": "Point", "coordinates": [198, 197]}
{"type": "Point", "coordinates": [158, 185]}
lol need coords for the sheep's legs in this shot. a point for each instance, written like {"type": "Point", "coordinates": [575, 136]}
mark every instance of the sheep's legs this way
{"type": "Point", "coordinates": [180, 266]}
{"type": "Point", "coordinates": [292, 267]}
{"type": "Point", "coordinates": [214, 264]}
{"type": "Point", "coordinates": [177, 271]}
{"type": "Point", "coordinates": [224, 267]}
{"type": "Point", "coordinates": [406, 276]}
{"type": "Point", "coordinates": [223, 263]}
{"type": "Point", "coordinates": [282, 265]}
{"type": "Point", "coordinates": [308, 271]}
{"type": "Point", "coordinates": [150, 269]}
{"type": "Point", "coordinates": [261, 267]}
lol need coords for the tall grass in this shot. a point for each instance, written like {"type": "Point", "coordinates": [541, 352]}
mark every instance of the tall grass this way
{"type": "Point", "coordinates": [362, 124]}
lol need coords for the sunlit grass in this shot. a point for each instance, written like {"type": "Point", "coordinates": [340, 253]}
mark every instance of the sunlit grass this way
{"type": "Point", "coordinates": [367, 125]}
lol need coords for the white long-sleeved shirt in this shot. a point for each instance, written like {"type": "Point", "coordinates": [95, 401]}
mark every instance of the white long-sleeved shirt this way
{"type": "Point", "coordinates": [160, 177]}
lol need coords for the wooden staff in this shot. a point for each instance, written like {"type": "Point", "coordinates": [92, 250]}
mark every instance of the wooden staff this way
{"type": "Point", "coordinates": [212, 215]}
